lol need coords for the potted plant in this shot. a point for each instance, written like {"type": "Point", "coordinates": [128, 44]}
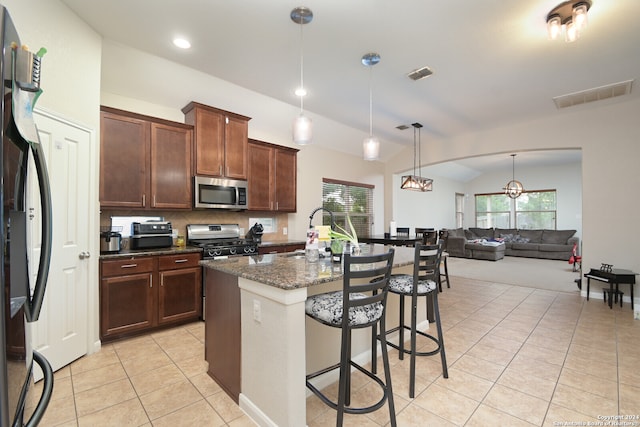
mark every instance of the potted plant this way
{"type": "Point", "coordinates": [341, 237]}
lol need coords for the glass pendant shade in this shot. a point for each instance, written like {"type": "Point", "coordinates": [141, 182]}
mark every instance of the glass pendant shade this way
{"type": "Point", "coordinates": [579, 16]}
{"type": "Point", "coordinates": [554, 26]}
{"type": "Point", "coordinates": [371, 148]}
{"type": "Point", "coordinates": [570, 16]}
{"type": "Point", "coordinates": [302, 130]}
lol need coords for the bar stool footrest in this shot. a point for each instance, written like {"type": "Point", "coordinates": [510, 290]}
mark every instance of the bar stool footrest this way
{"type": "Point", "coordinates": [347, 409]}
{"type": "Point", "coordinates": [418, 353]}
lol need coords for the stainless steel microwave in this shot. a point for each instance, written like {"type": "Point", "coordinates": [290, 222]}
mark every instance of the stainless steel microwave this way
{"type": "Point", "coordinates": [220, 193]}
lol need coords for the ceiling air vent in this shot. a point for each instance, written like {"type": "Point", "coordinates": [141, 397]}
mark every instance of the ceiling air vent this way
{"type": "Point", "coordinates": [420, 73]}
{"type": "Point", "coordinates": [595, 94]}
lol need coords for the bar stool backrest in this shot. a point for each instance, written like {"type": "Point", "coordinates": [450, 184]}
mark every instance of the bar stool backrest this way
{"type": "Point", "coordinates": [426, 264]}
{"type": "Point", "coordinates": [364, 274]}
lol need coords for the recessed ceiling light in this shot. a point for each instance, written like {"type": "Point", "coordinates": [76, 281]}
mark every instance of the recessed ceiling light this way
{"type": "Point", "coordinates": [182, 43]}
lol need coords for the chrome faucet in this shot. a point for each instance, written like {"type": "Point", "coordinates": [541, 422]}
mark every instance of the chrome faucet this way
{"type": "Point", "coordinates": [333, 223]}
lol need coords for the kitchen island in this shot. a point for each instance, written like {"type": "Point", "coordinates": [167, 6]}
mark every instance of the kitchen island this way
{"type": "Point", "coordinates": [275, 343]}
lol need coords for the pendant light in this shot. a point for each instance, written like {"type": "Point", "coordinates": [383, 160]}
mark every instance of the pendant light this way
{"type": "Point", "coordinates": [513, 188]}
{"type": "Point", "coordinates": [302, 125]}
{"type": "Point", "coordinates": [371, 145]}
{"type": "Point", "coordinates": [416, 182]}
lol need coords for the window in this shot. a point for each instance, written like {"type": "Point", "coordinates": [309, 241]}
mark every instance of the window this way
{"type": "Point", "coordinates": [348, 198]}
{"type": "Point", "coordinates": [536, 210]}
{"type": "Point", "coordinates": [532, 210]}
{"type": "Point", "coordinates": [459, 210]}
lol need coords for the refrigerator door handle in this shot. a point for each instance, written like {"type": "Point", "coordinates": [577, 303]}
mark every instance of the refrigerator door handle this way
{"type": "Point", "coordinates": [47, 390]}
{"type": "Point", "coordinates": [35, 305]}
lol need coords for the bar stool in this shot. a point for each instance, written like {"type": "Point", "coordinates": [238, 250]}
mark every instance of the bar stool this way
{"type": "Point", "coordinates": [426, 272]}
{"type": "Point", "coordinates": [364, 310]}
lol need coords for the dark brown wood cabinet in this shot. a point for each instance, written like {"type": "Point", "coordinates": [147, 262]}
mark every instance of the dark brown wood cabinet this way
{"type": "Point", "coordinates": [179, 295]}
{"type": "Point", "coordinates": [138, 294]}
{"type": "Point", "coordinates": [145, 163]}
{"type": "Point", "coordinates": [272, 177]}
{"type": "Point", "coordinates": [223, 346]}
{"type": "Point", "coordinates": [220, 141]}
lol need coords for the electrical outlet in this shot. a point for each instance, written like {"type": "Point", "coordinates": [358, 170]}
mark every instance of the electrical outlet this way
{"type": "Point", "coordinates": [257, 311]}
{"type": "Point", "coordinates": [284, 231]}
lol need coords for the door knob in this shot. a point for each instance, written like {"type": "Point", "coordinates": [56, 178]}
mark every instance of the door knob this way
{"type": "Point", "coordinates": [84, 255]}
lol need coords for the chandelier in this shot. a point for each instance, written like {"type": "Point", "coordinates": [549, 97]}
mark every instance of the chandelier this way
{"type": "Point", "coordinates": [513, 188]}
{"type": "Point", "coordinates": [302, 125]}
{"type": "Point", "coordinates": [370, 145]}
{"type": "Point", "coordinates": [416, 182]}
{"type": "Point", "coordinates": [572, 15]}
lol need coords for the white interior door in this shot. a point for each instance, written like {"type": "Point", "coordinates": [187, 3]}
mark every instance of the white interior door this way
{"type": "Point", "coordinates": [60, 334]}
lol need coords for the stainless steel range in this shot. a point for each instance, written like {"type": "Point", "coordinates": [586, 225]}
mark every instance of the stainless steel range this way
{"type": "Point", "coordinates": [219, 240]}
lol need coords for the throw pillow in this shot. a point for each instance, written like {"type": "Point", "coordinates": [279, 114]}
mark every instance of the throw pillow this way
{"type": "Point", "coordinates": [519, 239]}
{"type": "Point", "coordinates": [507, 237]}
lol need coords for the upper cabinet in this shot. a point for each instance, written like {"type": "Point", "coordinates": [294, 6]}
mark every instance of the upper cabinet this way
{"type": "Point", "coordinates": [272, 177]}
{"type": "Point", "coordinates": [145, 163]}
{"type": "Point", "coordinates": [221, 141]}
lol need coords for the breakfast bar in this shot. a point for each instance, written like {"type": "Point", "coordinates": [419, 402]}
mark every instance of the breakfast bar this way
{"type": "Point", "coordinates": [276, 345]}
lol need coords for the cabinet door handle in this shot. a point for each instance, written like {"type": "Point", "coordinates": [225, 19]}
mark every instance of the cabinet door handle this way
{"type": "Point", "coordinates": [154, 200]}
{"type": "Point", "coordinates": [128, 265]}
{"type": "Point", "coordinates": [179, 261]}
{"type": "Point", "coordinates": [220, 169]}
{"type": "Point", "coordinates": [150, 281]}
{"type": "Point", "coordinates": [144, 200]}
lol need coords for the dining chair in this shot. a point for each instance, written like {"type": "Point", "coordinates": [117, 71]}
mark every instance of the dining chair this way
{"type": "Point", "coordinates": [426, 274]}
{"type": "Point", "coordinates": [360, 304]}
{"type": "Point", "coordinates": [402, 231]}
{"type": "Point", "coordinates": [429, 235]}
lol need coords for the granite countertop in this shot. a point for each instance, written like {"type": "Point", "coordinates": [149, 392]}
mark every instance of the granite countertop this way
{"type": "Point", "coordinates": [291, 271]}
{"type": "Point", "coordinates": [265, 243]}
{"type": "Point", "coordinates": [128, 253]}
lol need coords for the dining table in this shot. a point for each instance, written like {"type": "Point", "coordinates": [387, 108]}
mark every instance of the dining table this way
{"type": "Point", "coordinates": [391, 240]}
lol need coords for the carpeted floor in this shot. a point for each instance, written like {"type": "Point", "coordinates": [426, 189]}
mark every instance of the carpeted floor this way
{"type": "Point", "coordinates": [535, 273]}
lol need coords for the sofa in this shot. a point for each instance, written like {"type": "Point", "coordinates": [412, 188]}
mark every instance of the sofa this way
{"type": "Point", "coordinates": [494, 243]}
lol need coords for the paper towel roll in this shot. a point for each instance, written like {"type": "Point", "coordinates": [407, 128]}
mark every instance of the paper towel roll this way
{"type": "Point", "coordinates": [393, 229]}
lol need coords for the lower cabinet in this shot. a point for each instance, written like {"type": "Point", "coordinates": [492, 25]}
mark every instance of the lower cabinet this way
{"type": "Point", "coordinates": [139, 294]}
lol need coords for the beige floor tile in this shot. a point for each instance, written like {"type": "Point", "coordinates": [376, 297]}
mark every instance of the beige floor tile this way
{"type": "Point", "coordinates": [127, 413]}
{"type": "Point", "coordinates": [447, 404]}
{"type": "Point", "coordinates": [106, 356]}
{"type": "Point", "coordinates": [157, 378]}
{"type": "Point", "coordinates": [479, 367]}
{"type": "Point", "coordinates": [225, 406]}
{"type": "Point", "coordinates": [501, 343]}
{"type": "Point", "coordinates": [415, 416]}
{"type": "Point", "coordinates": [595, 368]}
{"type": "Point", "coordinates": [193, 366]}
{"type": "Point", "coordinates": [243, 421]}
{"type": "Point", "coordinates": [168, 399]}
{"type": "Point", "coordinates": [138, 365]}
{"type": "Point", "coordinates": [544, 354]}
{"type": "Point", "coordinates": [589, 404]}
{"type": "Point", "coordinates": [466, 384]}
{"type": "Point", "coordinates": [590, 384]}
{"type": "Point", "coordinates": [199, 414]}
{"type": "Point", "coordinates": [517, 404]}
{"type": "Point", "coordinates": [205, 384]}
{"type": "Point", "coordinates": [58, 413]}
{"type": "Point", "coordinates": [135, 347]}
{"type": "Point", "coordinates": [95, 399]}
{"type": "Point", "coordinates": [491, 354]}
{"type": "Point", "coordinates": [558, 415]}
{"type": "Point", "coordinates": [526, 364]}
{"type": "Point", "coordinates": [528, 382]}
{"type": "Point", "coordinates": [488, 416]}
{"type": "Point", "coordinates": [96, 377]}
{"type": "Point", "coordinates": [630, 401]}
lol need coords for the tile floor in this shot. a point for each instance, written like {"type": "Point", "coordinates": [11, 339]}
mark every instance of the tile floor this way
{"type": "Point", "coordinates": [517, 356]}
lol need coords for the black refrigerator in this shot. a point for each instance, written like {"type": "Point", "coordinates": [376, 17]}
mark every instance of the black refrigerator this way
{"type": "Point", "coordinates": [21, 300]}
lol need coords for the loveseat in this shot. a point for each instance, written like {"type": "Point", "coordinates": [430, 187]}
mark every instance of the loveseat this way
{"type": "Point", "coordinates": [478, 243]}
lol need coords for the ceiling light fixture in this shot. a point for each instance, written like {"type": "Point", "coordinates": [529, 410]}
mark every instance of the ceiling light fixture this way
{"type": "Point", "coordinates": [302, 125]}
{"type": "Point", "coordinates": [181, 43]}
{"type": "Point", "coordinates": [572, 15]}
{"type": "Point", "coordinates": [513, 188]}
{"type": "Point", "coordinates": [371, 145]}
{"type": "Point", "coordinates": [416, 182]}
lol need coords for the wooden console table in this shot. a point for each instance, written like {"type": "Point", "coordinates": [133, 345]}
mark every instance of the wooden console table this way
{"type": "Point", "coordinates": [616, 276]}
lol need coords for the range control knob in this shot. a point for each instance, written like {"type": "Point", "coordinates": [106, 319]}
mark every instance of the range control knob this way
{"type": "Point", "coordinates": [232, 251]}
